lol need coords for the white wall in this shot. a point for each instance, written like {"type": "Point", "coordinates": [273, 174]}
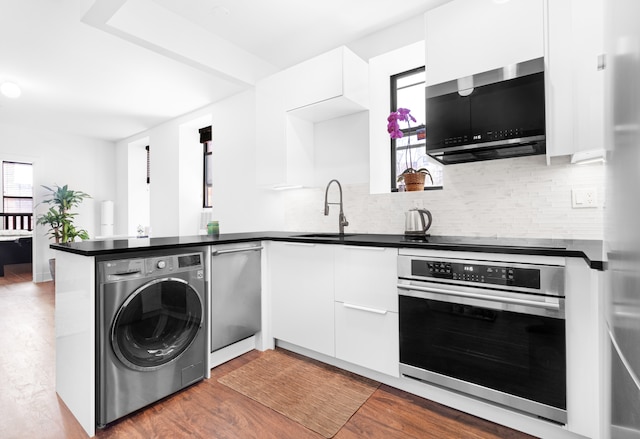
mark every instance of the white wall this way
{"type": "Point", "coordinates": [342, 149]}
{"type": "Point", "coordinates": [139, 192]}
{"type": "Point", "coordinates": [238, 203]}
{"type": "Point", "coordinates": [84, 164]}
{"type": "Point", "coordinates": [176, 172]}
{"type": "Point", "coordinates": [164, 212]}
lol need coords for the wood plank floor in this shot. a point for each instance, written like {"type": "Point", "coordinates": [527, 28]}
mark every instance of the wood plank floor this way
{"type": "Point", "coordinates": [30, 408]}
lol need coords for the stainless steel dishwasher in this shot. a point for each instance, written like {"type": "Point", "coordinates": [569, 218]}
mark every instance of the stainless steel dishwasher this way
{"type": "Point", "coordinates": [235, 293]}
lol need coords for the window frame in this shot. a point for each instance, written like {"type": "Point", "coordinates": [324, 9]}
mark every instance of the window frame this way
{"type": "Point", "coordinates": [393, 90]}
{"type": "Point", "coordinates": [206, 139]}
{"type": "Point", "coordinates": [15, 197]}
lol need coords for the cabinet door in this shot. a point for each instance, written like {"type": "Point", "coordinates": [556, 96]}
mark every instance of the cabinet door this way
{"type": "Point", "coordinates": [315, 80]}
{"type": "Point", "coordinates": [302, 302]}
{"type": "Point", "coordinates": [464, 37]}
{"type": "Point", "coordinates": [367, 276]}
{"type": "Point", "coordinates": [368, 337]}
{"type": "Point", "coordinates": [575, 85]}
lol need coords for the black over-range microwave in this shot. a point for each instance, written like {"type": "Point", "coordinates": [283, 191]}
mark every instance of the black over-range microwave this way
{"type": "Point", "coordinates": [490, 115]}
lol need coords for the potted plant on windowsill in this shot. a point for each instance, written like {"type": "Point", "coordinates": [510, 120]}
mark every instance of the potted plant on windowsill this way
{"type": "Point", "coordinates": [413, 178]}
{"type": "Point", "coordinates": [59, 217]}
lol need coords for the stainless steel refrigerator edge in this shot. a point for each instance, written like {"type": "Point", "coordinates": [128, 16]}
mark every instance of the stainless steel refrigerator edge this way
{"type": "Point", "coordinates": [622, 210]}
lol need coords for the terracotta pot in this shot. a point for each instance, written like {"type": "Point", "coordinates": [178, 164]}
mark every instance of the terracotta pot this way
{"type": "Point", "coordinates": [414, 182]}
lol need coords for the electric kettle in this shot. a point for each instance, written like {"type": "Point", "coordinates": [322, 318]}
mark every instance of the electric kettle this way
{"type": "Point", "coordinates": [415, 224]}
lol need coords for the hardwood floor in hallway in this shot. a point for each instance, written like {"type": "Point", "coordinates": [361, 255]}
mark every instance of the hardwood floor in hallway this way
{"type": "Point", "coordinates": [30, 408]}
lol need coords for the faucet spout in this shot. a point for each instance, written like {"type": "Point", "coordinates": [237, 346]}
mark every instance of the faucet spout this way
{"type": "Point", "coordinates": [342, 219]}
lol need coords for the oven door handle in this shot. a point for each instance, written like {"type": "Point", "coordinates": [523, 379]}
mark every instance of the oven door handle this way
{"type": "Point", "coordinates": [545, 305]}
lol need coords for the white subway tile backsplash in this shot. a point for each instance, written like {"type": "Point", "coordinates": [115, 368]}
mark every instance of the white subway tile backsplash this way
{"type": "Point", "coordinates": [520, 197]}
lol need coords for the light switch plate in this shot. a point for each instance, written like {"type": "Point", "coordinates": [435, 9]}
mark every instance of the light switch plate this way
{"type": "Point", "coordinates": [584, 197]}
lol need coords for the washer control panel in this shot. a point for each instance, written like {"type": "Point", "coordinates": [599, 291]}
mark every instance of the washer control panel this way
{"type": "Point", "coordinates": [126, 269]}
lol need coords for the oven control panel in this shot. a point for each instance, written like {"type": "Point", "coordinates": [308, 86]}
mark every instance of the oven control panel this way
{"type": "Point", "coordinates": [477, 273]}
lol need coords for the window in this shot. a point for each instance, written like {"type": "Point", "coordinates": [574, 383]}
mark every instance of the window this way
{"type": "Point", "coordinates": [148, 150]}
{"type": "Point", "coordinates": [17, 187]}
{"type": "Point", "coordinates": [207, 185]}
{"type": "Point", "coordinates": [407, 91]}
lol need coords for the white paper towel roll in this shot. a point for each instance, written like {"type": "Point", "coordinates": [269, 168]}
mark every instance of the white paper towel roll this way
{"type": "Point", "coordinates": [106, 218]}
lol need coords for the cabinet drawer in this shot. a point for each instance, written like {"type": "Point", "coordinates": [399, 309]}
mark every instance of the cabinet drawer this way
{"type": "Point", "coordinates": [368, 337]}
{"type": "Point", "coordinates": [367, 276]}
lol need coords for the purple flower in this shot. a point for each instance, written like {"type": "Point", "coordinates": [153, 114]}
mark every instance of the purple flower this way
{"type": "Point", "coordinates": [401, 115]}
{"type": "Point", "coordinates": [404, 114]}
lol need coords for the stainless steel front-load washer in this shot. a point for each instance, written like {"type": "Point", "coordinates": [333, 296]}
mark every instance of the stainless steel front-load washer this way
{"type": "Point", "coordinates": [151, 334]}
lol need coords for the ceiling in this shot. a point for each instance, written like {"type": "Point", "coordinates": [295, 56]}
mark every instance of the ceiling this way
{"type": "Point", "coordinates": [109, 69]}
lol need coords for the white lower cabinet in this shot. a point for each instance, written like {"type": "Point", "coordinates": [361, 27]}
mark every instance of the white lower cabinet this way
{"type": "Point", "coordinates": [340, 301]}
{"type": "Point", "coordinates": [366, 308]}
{"type": "Point", "coordinates": [367, 337]}
{"type": "Point", "coordinates": [302, 302]}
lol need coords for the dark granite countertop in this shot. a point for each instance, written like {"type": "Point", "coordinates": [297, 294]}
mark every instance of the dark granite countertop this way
{"type": "Point", "coordinates": [589, 250]}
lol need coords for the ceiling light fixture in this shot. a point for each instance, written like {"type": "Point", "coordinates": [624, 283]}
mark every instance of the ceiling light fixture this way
{"type": "Point", "coordinates": [10, 90]}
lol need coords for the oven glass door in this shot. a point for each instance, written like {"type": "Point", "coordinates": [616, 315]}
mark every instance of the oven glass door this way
{"type": "Point", "coordinates": [512, 352]}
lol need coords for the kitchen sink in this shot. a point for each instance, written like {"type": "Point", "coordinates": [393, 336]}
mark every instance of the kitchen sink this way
{"type": "Point", "coordinates": [325, 235]}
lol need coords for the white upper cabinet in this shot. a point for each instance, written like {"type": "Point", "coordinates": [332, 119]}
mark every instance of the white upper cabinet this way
{"type": "Point", "coordinates": [575, 84]}
{"type": "Point", "coordinates": [289, 104]}
{"type": "Point", "coordinates": [330, 85]}
{"type": "Point", "coordinates": [465, 37]}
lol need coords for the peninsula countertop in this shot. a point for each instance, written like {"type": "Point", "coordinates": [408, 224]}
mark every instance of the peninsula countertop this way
{"type": "Point", "coordinates": [589, 250]}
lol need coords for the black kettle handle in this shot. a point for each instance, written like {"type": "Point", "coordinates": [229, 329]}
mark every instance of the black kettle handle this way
{"type": "Point", "coordinates": [425, 226]}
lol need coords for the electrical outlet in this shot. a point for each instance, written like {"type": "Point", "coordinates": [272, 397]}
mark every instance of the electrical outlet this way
{"type": "Point", "coordinates": [584, 197]}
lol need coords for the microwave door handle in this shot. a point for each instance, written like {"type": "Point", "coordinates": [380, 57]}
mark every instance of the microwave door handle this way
{"type": "Point", "coordinates": [510, 300]}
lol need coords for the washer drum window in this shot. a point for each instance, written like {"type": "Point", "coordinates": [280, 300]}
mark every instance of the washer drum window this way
{"type": "Point", "coordinates": [156, 324]}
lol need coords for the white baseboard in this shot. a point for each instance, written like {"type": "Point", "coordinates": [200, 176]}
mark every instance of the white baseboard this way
{"type": "Point", "coordinates": [230, 352]}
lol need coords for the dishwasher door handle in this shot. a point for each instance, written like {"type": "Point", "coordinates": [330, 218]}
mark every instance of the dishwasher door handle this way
{"type": "Point", "coordinates": [236, 250]}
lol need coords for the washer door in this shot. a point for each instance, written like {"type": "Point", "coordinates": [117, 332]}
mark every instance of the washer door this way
{"type": "Point", "coordinates": [156, 323]}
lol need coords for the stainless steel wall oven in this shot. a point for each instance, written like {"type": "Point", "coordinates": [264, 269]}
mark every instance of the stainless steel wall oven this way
{"type": "Point", "coordinates": [493, 329]}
